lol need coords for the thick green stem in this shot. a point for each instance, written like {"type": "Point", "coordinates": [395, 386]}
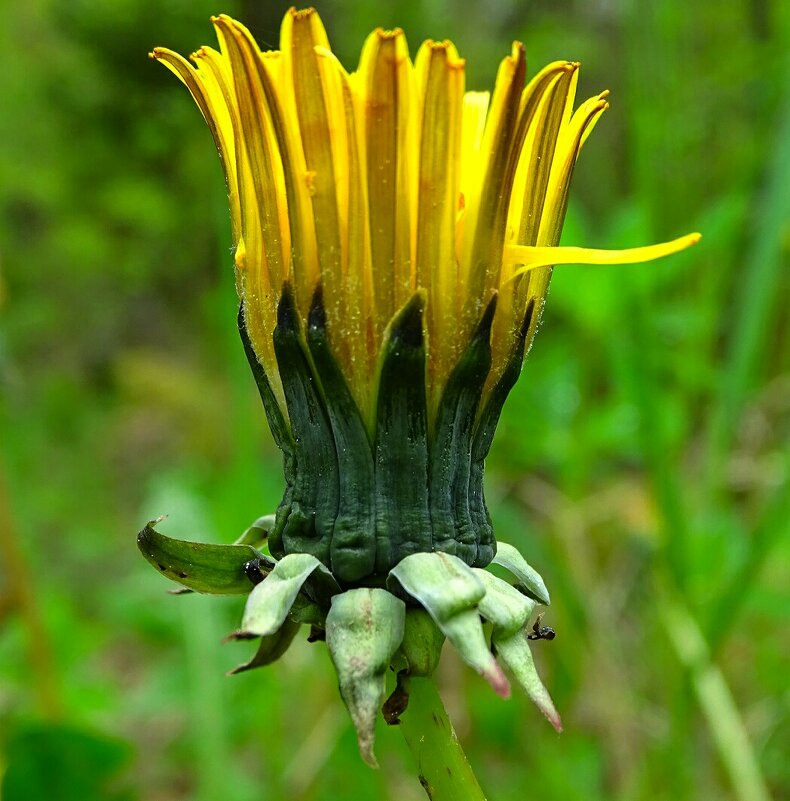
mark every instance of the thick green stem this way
{"type": "Point", "coordinates": [444, 771]}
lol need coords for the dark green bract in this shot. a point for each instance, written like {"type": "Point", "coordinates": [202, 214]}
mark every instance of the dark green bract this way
{"type": "Point", "coordinates": [360, 500]}
{"type": "Point", "coordinates": [202, 567]}
{"type": "Point", "coordinates": [380, 538]}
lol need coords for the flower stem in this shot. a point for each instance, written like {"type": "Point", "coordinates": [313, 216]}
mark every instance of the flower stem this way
{"type": "Point", "coordinates": [444, 771]}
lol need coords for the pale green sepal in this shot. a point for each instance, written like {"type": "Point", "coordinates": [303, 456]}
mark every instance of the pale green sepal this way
{"type": "Point", "coordinates": [422, 643]}
{"type": "Point", "coordinates": [450, 591]}
{"type": "Point", "coordinates": [306, 611]}
{"type": "Point", "coordinates": [513, 651]}
{"type": "Point", "coordinates": [271, 647]}
{"type": "Point", "coordinates": [364, 628]}
{"type": "Point", "coordinates": [258, 532]}
{"type": "Point", "coordinates": [321, 586]}
{"type": "Point", "coordinates": [271, 600]}
{"type": "Point", "coordinates": [509, 557]}
{"type": "Point", "coordinates": [503, 605]}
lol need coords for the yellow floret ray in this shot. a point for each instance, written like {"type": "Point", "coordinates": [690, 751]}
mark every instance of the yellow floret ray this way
{"type": "Point", "coordinates": [391, 180]}
{"type": "Point", "coordinates": [526, 257]}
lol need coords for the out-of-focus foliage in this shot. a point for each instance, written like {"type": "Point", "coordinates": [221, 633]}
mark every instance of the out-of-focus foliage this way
{"type": "Point", "coordinates": [642, 464]}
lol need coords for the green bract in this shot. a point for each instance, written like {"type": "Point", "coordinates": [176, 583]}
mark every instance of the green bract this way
{"type": "Point", "coordinates": [382, 520]}
{"type": "Point", "coordinates": [429, 596]}
{"type": "Point", "coordinates": [361, 495]}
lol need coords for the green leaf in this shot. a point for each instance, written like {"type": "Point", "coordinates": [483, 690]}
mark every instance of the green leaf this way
{"type": "Point", "coordinates": [216, 569]}
{"type": "Point", "coordinates": [364, 628]}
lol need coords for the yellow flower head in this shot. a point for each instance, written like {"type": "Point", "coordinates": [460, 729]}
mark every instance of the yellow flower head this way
{"type": "Point", "coordinates": [394, 239]}
{"type": "Point", "coordinates": [390, 182]}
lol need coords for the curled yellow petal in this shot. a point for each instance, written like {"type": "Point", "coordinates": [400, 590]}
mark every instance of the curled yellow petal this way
{"type": "Point", "coordinates": [529, 257]}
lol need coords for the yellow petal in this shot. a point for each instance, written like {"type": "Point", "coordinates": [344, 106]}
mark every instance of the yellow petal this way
{"type": "Point", "coordinates": [486, 207]}
{"type": "Point", "coordinates": [385, 75]}
{"type": "Point", "coordinates": [474, 120]}
{"type": "Point", "coordinates": [532, 287]}
{"type": "Point", "coordinates": [212, 106]}
{"type": "Point", "coordinates": [531, 185]}
{"type": "Point", "coordinates": [215, 75]}
{"type": "Point", "coordinates": [303, 89]}
{"type": "Point", "coordinates": [548, 101]}
{"type": "Point", "coordinates": [259, 190]}
{"type": "Point", "coordinates": [529, 257]}
{"type": "Point", "coordinates": [389, 181]}
{"type": "Point", "coordinates": [351, 332]}
{"type": "Point", "coordinates": [440, 88]}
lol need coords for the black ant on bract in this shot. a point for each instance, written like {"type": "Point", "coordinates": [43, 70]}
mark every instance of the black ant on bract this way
{"type": "Point", "coordinates": [252, 570]}
{"type": "Point", "coordinates": [541, 632]}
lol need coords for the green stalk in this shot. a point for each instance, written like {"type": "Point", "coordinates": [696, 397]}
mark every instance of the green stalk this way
{"type": "Point", "coordinates": [444, 772]}
{"type": "Point", "coordinates": [725, 723]}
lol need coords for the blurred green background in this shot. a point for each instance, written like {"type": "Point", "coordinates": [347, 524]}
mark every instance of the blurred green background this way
{"type": "Point", "coordinates": [642, 463]}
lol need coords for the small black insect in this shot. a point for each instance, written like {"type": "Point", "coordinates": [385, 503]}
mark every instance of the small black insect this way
{"type": "Point", "coordinates": [316, 634]}
{"type": "Point", "coordinates": [252, 570]}
{"type": "Point", "coordinates": [541, 632]}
